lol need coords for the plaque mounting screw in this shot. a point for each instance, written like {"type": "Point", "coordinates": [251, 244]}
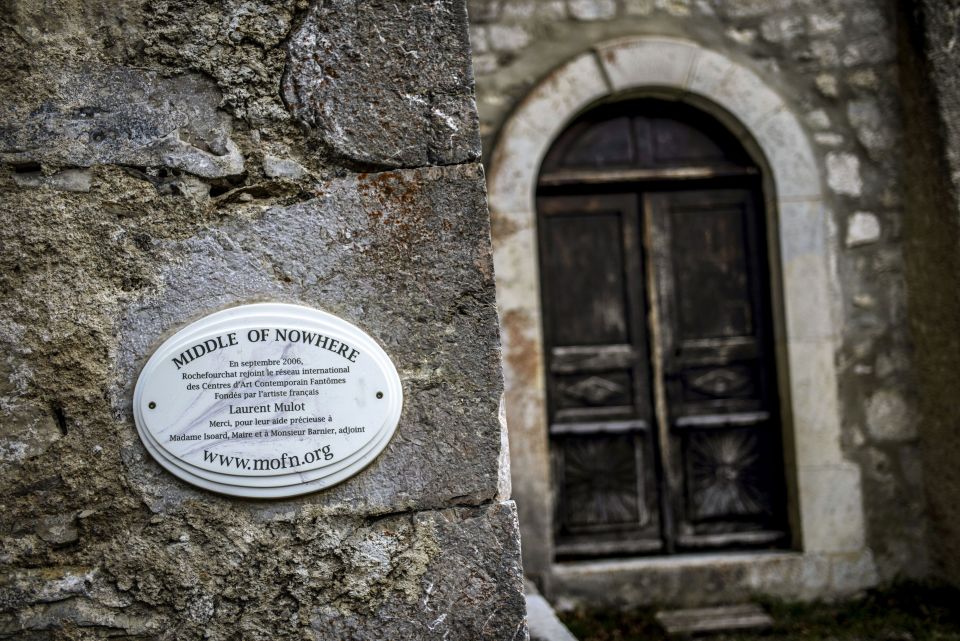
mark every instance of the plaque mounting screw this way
{"type": "Point", "coordinates": [379, 394]}
{"type": "Point", "coordinates": [152, 405]}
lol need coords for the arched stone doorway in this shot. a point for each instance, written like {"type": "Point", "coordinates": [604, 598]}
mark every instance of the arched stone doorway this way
{"type": "Point", "coordinates": [662, 401]}
{"type": "Point", "coordinates": [829, 553]}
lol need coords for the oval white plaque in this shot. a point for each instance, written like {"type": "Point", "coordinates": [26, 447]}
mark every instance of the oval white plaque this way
{"type": "Point", "coordinates": [267, 400]}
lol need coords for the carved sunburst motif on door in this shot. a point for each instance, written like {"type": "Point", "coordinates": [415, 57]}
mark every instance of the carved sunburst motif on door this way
{"type": "Point", "coordinates": [724, 476]}
{"type": "Point", "coordinates": [600, 479]}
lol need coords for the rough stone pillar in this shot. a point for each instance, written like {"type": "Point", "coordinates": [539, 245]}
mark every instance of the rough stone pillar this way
{"type": "Point", "coordinates": [930, 82]}
{"type": "Point", "coordinates": [163, 160]}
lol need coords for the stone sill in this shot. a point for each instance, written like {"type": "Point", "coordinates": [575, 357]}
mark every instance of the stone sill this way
{"type": "Point", "coordinates": [677, 561]}
{"type": "Point", "coordinates": [710, 579]}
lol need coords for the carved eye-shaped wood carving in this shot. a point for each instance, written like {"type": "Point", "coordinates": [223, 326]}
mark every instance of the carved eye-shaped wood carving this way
{"type": "Point", "coordinates": [592, 391]}
{"type": "Point", "coordinates": [719, 382]}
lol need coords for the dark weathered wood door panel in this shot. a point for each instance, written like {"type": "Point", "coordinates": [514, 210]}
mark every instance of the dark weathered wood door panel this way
{"type": "Point", "coordinates": [597, 378]}
{"type": "Point", "coordinates": [722, 434]}
{"type": "Point", "coordinates": [586, 287]}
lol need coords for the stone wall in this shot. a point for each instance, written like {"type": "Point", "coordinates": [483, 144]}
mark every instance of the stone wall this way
{"type": "Point", "coordinates": [160, 161]}
{"type": "Point", "coordinates": [835, 63]}
{"type": "Point", "coordinates": [931, 88]}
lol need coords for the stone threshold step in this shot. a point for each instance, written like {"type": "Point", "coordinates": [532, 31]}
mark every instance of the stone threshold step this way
{"type": "Point", "coordinates": [747, 616]}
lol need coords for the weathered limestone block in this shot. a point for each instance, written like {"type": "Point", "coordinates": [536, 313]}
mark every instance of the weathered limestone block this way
{"type": "Point", "coordinates": [404, 255]}
{"type": "Point", "coordinates": [43, 586]}
{"type": "Point", "coordinates": [385, 84]}
{"type": "Point", "coordinates": [471, 586]}
{"type": "Point", "coordinates": [863, 228]}
{"type": "Point", "coordinates": [123, 116]}
{"type": "Point", "coordinates": [27, 430]}
{"type": "Point", "coordinates": [65, 180]}
{"type": "Point", "coordinates": [215, 573]}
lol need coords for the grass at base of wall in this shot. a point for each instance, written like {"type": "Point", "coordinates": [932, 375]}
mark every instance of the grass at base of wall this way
{"type": "Point", "coordinates": [903, 612]}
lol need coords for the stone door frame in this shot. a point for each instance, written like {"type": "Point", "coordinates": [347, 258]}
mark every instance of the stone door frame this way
{"type": "Point", "coordinates": [825, 489]}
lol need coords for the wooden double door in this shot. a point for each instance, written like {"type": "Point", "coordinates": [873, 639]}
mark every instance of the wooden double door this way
{"type": "Point", "coordinates": [661, 380]}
